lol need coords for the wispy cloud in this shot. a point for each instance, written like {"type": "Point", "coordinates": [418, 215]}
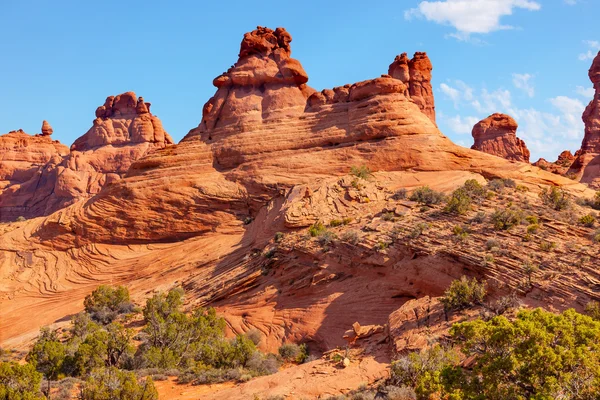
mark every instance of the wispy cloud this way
{"type": "Point", "coordinates": [470, 16]}
{"type": "Point", "coordinates": [592, 48]}
{"type": "Point", "coordinates": [585, 92]}
{"type": "Point", "coordinates": [522, 81]}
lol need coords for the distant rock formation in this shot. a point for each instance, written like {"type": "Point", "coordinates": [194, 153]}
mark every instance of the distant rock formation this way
{"type": "Point", "coordinates": [416, 75]}
{"type": "Point", "coordinates": [39, 176]}
{"type": "Point", "coordinates": [587, 164]}
{"type": "Point", "coordinates": [497, 135]}
{"type": "Point", "coordinates": [46, 128]}
{"type": "Point", "coordinates": [560, 166]}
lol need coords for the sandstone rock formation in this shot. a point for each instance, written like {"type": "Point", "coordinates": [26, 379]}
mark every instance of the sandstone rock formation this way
{"type": "Point", "coordinates": [496, 135]}
{"type": "Point", "coordinates": [416, 75]}
{"type": "Point", "coordinates": [269, 155]}
{"type": "Point", "coordinates": [561, 166]}
{"type": "Point", "coordinates": [40, 177]}
{"type": "Point", "coordinates": [587, 164]}
{"type": "Point", "coordinates": [46, 128]}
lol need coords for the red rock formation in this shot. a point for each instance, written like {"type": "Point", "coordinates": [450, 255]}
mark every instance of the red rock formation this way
{"type": "Point", "coordinates": [46, 128]}
{"type": "Point", "coordinates": [39, 177]}
{"type": "Point", "coordinates": [587, 164]}
{"type": "Point", "coordinates": [416, 74]}
{"type": "Point", "coordinates": [496, 135]}
{"type": "Point", "coordinates": [560, 166]}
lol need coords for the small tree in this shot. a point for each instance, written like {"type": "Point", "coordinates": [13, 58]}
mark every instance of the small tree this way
{"type": "Point", "coordinates": [19, 382]}
{"type": "Point", "coordinates": [106, 302]}
{"type": "Point", "coordinates": [47, 356]}
{"type": "Point", "coordinates": [556, 198]}
{"type": "Point", "coordinates": [463, 293]}
{"type": "Point", "coordinates": [112, 383]}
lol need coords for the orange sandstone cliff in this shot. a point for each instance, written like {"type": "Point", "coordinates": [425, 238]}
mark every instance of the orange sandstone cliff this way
{"type": "Point", "coordinates": [497, 135]}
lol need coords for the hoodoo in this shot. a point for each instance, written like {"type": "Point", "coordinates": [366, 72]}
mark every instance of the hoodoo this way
{"type": "Point", "coordinates": [497, 135]}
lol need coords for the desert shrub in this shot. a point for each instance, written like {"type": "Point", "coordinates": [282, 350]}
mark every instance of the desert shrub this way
{"type": "Point", "coordinates": [547, 246]}
{"type": "Point", "coordinates": [388, 216]}
{"type": "Point", "coordinates": [593, 309]}
{"type": "Point", "coordinates": [532, 219]}
{"type": "Point", "coordinates": [262, 364]}
{"type": "Point", "coordinates": [400, 393]}
{"type": "Point", "coordinates": [351, 237]}
{"type": "Point", "coordinates": [21, 219]}
{"type": "Point", "coordinates": [529, 269]}
{"type": "Point", "coordinates": [106, 302]}
{"type": "Point", "coordinates": [587, 220]}
{"type": "Point", "coordinates": [292, 352]}
{"type": "Point", "coordinates": [478, 218]}
{"type": "Point", "coordinates": [539, 355]}
{"type": "Point", "coordinates": [112, 383]}
{"type": "Point", "coordinates": [509, 183]}
{"type": "Point", "coordinates": [279, 237]}
{"type": "Point", "coordinates": [596, 236]}
{"type": "Point", "coordinates": [316, 229]}
{"type": "Point", "coordinates": [418, 230]}
{"type": "Point", "coordinates": [459, 202]}
{"type": "Point", "coordinates": [463, 293]}
{"type": "Point", "coordinates": [382, 245]}
{"type": "Point", "coordinates": [422, 370]}
{"type": "Point", "coordinates": [460, 232]}
{"type": "Point", "coordinates": [362, 172]}
{"type": "Point", "coordinates": [336, 222]}
{"type": "Point", "coordinates": [507, 218]}
{"type": "Point", "coordinates": [533, 228]}
{"type": "Point", "coordinates": [400, 194]}
{"type": "Point", "coordinates": [474, 190]}
{"type": "Point", "coordinates": [326, 238]}
{"type": "Point", "coordinates": [47, 355]}
{"type": "Point", "coordinates": [492, 244]}
{"type": "Point", "coordinates": [427, 196]}
{"type": "Point", "coordinates": [504, 304]}
{"type": "Point", "coordinates": [254, 335]}
{"type": "Point", "coordinates": [556, 198]}
{"type": "Point", "coordinates": [19, 382]}
{"type": "Point", "coordinates": [497, 185]}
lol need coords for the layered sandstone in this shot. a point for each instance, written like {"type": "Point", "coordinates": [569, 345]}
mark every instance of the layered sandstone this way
{"type": "Point", "coordinates": [587, 165]}
{"type": "Point", "coordinates": [497, 135]}
{"type": "Point", "coordinates": [39, 176]}
{"type": "Point", "coordinates": [561, 165]}
{"type": "Point", "coordinates": [269, 155]}
{"type": "Point", "coordinates": [416, 75]}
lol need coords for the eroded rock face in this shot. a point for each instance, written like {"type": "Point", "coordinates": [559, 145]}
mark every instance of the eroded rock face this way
{"type": "Point", "coordinates": [46, 128]}
{"type": "Point", "coordinates": [416, 75]}
{"type": "Point", "coordinates": [39, 176]}
{"type": "Point", "coordinates": [561, 165]}
{"type": "Point", "coordinates": [587, 164]}
{"type": "Point", "coordinates": [497, 135]}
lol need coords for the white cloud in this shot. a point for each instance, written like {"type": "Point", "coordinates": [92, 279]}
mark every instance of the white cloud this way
{"type": "Point", "coordinates": [585, 92]}
{"type": "Point", "coordinates": [593, 48]}
{"type": "Point", "coordinates": [522, 81]}
{"type": "Point", "coordinates": [461, 92]}
{"type": "Point", "coordinates": [546, 133]}
{"type": "Point", "coordinates": [470, 16]}
{"type": "Point", "coordinates": [461, 125]}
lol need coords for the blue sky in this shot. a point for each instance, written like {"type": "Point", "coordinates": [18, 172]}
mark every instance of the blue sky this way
{"type": "Point", "coordinates": [527, 58]}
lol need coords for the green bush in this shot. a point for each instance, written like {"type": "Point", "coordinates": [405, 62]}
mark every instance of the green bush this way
{"type": "Point", "coordinates": [422, 370]}
{"type": "Point", "coordinates": [418, 230]}
{"type": "Point", "coordinates": [279, 237]}
{"type": "Point", "coordinates": [539, 355]}
{"type": "Point", "coordinates": [316, 229]}
{"type": "Point", "coordinates": [399, 194]}
{"type": "Point", "coordinates": [507, 218]}
{"type": "Point", "coordinates": [362, 172]}
{"type": "Point", "coordinates": [351, 237]}
{"type": "Point", "coordinates": [19, 382]}
{"type": "Point", "coordinates": [112, 383]}
{"type": "Point", "coordinates": [106, 302]}
{"type": "Point", "coordinates": [292, 352]}
{"type": "Point", "coordinates": [547, 246]}
{"type": "Point", "coordinates": [587, 220]}
{"type": "Point", "coordinates": [556, 198]}
{"type": "Point", "coordinates": [463, 293]}
{"type": "Point", "coordinates": [593, 309]}
{"type": "Point", "coordinates": [459, 202]}
{"type": "Point", "coordinates": [427, 196]}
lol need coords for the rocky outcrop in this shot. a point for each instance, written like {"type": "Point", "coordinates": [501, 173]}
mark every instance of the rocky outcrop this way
{"type": "Point", "coordinates": [416, 75]}
{"type": "Point", "coordinates": [497, 135]}
{"type": "Point", "coordinates": [586, 166]}
{"type": "Point", "coordinates": [561, 165]}
{"type": "Point", "coordinates": [39, 176]}
{"type": "Point", "coordinates": [46, 128]}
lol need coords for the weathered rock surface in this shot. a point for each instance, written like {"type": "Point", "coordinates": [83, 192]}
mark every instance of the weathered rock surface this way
{"type": "Point", "coordinates": [46, 128]}
{"type": "Point", "coordinates": [586, 166]}
{"type": "Point", "coordinates": [269, 155]}
{"type": "Point", "coordinates": [561, 166]}
{"type": "Point", "coordinates": [497, 135]}
{"type": "Point", "coordinates": [39, 176]}
{"type": "Point", "coordinates": [416, 75]}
